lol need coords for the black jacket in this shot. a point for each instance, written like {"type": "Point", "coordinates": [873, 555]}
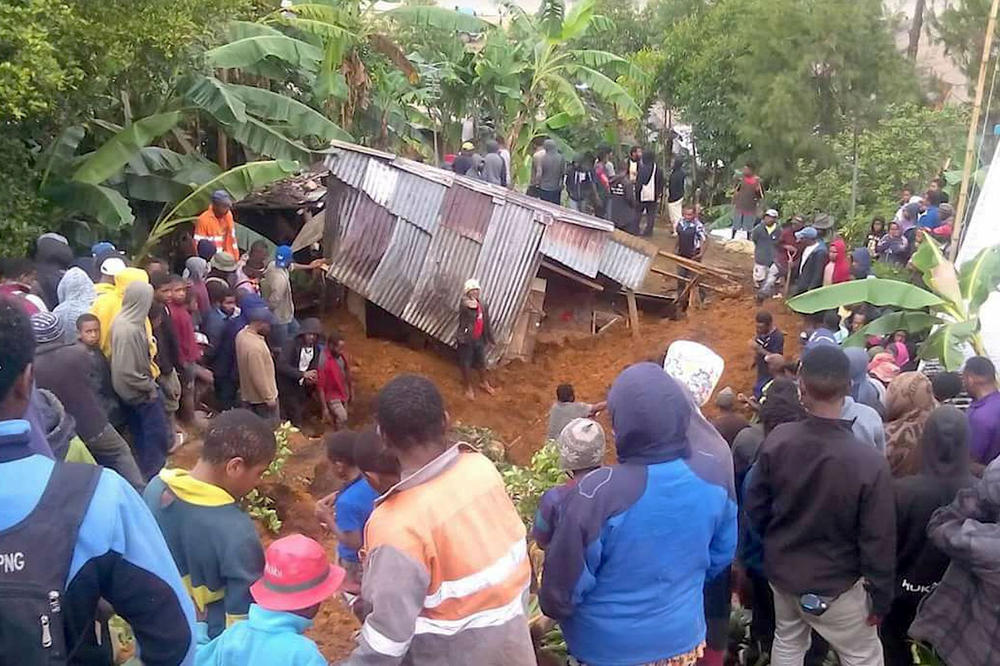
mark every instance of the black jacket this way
{"type": "Point", "coordinates": [810, 275]}
{"type": "Point", "coordinates": [66, 371]}
{"type": "Point", "coordinates": [288, 360]}
{"type": "Point", "coordinates": [643, 175]}
{"type": "Point", "coordinates": [467, 320]}
{"type": "Point", "coordinates": [822, 502]}
{"type": "Point", "coordinates": [945, 459]}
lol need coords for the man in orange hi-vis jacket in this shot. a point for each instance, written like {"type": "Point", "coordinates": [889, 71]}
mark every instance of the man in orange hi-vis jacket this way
{"type": "Point", "coordinates": [216, 225]}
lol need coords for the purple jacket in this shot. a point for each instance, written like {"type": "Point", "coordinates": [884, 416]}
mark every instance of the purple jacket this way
{"type": "Point", "coordinates": [984, 428]}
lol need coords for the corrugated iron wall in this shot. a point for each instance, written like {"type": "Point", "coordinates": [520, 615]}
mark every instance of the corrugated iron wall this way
{"type": "Point", "coordinates": [407, 236]}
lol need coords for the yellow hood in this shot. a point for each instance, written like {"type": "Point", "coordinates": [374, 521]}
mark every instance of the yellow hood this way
{"type": "Point", "coordinates": [193, 491]}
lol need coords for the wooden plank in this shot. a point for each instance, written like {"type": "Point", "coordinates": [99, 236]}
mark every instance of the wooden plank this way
{"type": "Point", "coordinates": [633, 312]}
{"type": "Point", "coordinates": [661, 271]}
{"type": "Point", "coordinates": [698, 266]}
{"type": "Point", "coordinates": [597, 286]}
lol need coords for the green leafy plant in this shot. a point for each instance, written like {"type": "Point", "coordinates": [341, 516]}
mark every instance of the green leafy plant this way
{"type": "Point", "coordinates": [948, 307]}
{"type": "Point", "coordinates": [525, 485]}
{"type": "Point", "coordinates": [258, 504]}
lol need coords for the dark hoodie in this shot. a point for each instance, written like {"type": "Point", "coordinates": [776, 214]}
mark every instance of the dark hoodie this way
{"type": "Point", "coordinates": [944, 449]}
{"type": "Point", "coordinates": [58, 424]}
{"type": "Point", "coordinates": [645, 534]}
{"type": "Point", "coordinates": [52, 258]}
{"type": "Point", "coordinates": [552, 166]}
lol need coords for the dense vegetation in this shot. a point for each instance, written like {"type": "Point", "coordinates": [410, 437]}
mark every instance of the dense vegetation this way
{"type": "Point", "coordinates": [118, 116]}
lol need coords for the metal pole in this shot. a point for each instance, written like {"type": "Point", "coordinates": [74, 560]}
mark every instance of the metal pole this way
{"type": "Point", "coordinates": [970, 144]}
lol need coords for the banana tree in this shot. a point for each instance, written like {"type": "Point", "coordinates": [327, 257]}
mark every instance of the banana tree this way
{"type": "Point", "coordinates": [559, 78]}
{"type": "Point", "coordinates": [948, 308]}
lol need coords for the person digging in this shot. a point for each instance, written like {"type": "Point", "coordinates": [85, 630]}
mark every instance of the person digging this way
{"type": "Point", "coordinates": [474, 334]}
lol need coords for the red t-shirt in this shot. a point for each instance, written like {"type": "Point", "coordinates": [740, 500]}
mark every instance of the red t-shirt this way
{"type": "Point", "coordinates": [477, 328]}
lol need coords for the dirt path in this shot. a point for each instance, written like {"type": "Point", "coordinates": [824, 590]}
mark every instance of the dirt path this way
{"type": "Point", "coordinates": [517, 413]}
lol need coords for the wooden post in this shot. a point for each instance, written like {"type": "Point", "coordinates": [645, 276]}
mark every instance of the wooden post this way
{"type": "Point", "coordinates": [633, 312]}
{"type": "Point", "coordinates": [970, 142]}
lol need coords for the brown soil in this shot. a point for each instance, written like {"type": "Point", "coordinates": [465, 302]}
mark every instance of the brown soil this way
{"type": "Point", "coordinates": [517, 413]}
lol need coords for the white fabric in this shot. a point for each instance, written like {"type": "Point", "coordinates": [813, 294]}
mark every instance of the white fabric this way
{"type": "Point", "coordinates": [494, 574]}
{"type": "Point", "coordinates": [809, 249]}
{"type": "Point", "coordinates": [381, 643]}
{"type": "Point", "coordinates": [494, 617]}
{"type": "Point", "coordinates": [306, 357]}
{"type": "Point", "coordinates": [648, 191]}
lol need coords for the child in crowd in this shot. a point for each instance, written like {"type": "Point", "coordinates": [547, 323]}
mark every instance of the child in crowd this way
{"type": "Point", "coordinates": [875, 233]}
{"type": "Point", "coordinates": [88, 333]}
{"type": "Point", "coordinates": [188, 350]}
{"type": "Point", "coordinates": [566, 408]}
{"type": "Point", "coordinates": [346, 511]}
{"type": "Point", "coordinates": [581, 450]}
{"type": "Point", "coordinates": [379, 466]}
{"type": "Point", "coordinates": [297, 580]}
{"type": "Point", "coordinates": [334, 381]}
{"type": "Point", "coordinates": [213, 542]}
{"type": "Point", "coordinates": [168, 355]}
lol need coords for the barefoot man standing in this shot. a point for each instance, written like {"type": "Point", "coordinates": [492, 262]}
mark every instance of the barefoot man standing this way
{"type": "Point", "coordinates": [474, 334]}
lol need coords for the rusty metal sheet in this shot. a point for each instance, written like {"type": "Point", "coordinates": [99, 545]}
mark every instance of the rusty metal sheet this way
{"type": "Point", "coordinates": [433, 308]}
{"type": "Point", "coordinates": [363, 242]}
{"type": "Point", "coordinates": [466, 211]}
{"type": "Point", "coordinates": [576, 247]}
{"type": "Point", "coordinates": [396, 276]}
{"type": "Point", "coordinates": [348, 165]}
{"type": "Point", "coordinates": [379, 182]}
{"type": "Point", "coordinates": [418, 200]}
{"type": "Point", "coordinates": [507, 262]}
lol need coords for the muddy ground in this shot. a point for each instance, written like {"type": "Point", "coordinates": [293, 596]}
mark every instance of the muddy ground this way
{"type": "Point", "coordinates": [518, 411]}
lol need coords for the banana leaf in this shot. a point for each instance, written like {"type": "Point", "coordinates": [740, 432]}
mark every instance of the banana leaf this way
{"type": "Point", "coordinates": [252, 50]}
{"type": "Point", "coordinates": [437, 17]}
{"type": "Point", "coordinates": [269, 142]}
{"type": "Point", "coordinates": [196, 171]}
{"type": "Point", "coordinates": [947, 343]}
{"type": "Point", "coordinates": [103, 204]}
{"type": "Point", "coordinates": [911, 322]}
{"type": "Point", "coordinates": [301, 119]}
{"type": "Point", "coordinates": [875, 291]}
{"type": "Point", "coordinates": [60, 154]}
{"type": "Point", "coordinates": [215, 98]}
{"type": "Point", "coordinates": [938, 273]}
{"type": "Point", "coordinates": [607, 89]}
{"type": "Point", "coordinates": [124, 146]}
{"type": "Point", "coordinates": [155, 188]}
{"type": "Point", "coordinates": [979, 277]}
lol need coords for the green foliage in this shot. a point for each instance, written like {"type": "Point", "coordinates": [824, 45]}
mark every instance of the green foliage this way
{"type": "Point", "coordinates": [874, 291]}
{"type": "Point", "coordinates": [525, 485]}
{"type": "Point", "coordinates": [961, 28]}
{"type": "Point", "coordinates": [23, 213]}
{"type": "Point", "coordinates": [256, 503]}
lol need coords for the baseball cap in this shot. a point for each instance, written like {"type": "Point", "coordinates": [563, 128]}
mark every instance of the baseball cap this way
{"type": "Point", "coordinates": [581, 445]}
{"type": "Point", "coordinates": [470, 284]}
{"type": "Point", "coordinates": [468, 146]}
{"type": "Point", "coordinates": [283, 256]}
{"type": "Point", "coordinates": [807, 232]}
{"type": "Point", "coordinates": [222, 197]}
{"type": "Point", "coordinates": [46, 328]}
{"type": "Point", "coordinates": [297, 575]}
{"type": "Point", "coordinates": [112, 266]}
{"type": "Point", "coordinates": [770, 212]}
{"type": "Point", "coordinates": [102, 248]}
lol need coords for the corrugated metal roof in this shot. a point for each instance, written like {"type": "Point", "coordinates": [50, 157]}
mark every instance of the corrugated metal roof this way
{"type": "Point", "coordinates": [396, 277]}
{"type": "Point", "coordinates": [626, 259]}
{"type": "Point", "coordinates": [507, 262]}
{"type": "Point", "coordinates": [466, 212]}
{"type": "Point", "coordinates": [348, 166]}
{"type": "Point", "coordinates": [379, 182]}
{"type": "Point", "coordinates": [433, 308]}
{"type": "Point", "coordinates": [362, 244]}
{"type": "Point", "coordinates": [578, 248]}
{"type": "Point", "coordinates": [418, 200]}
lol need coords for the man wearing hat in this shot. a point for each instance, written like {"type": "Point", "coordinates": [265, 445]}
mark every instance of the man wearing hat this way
{"type": "Point", "coordinates": [474, 334]}
{"type": "Point", "coordinates": [258, 386]}
{"type": "Point", "coordinates": [297, 370]}
{"type": "Point", "coordinates": [216, 225]}
{"type": "Point", "coordinates": [812, 260]}
{"type": "Point", "coordinates": [222, 270]}
{"type": "Point", "coordinates": [465, 160]}
{"type": "Point", "coordinates": [297, 579]}
{"type": "Point", "coordinates": [765, 245]}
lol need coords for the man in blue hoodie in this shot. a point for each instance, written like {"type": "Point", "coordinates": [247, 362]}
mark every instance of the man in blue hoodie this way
{"type": "Point", "coordinates": [636, 541]}
{"type": "Point", "coordinates": [71, 534]}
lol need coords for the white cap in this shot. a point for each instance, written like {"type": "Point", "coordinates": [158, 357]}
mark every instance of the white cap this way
{"type": "Point", "coordinates": [770, 212]}
{"type": "Point", "coordinates": [470, 284]}
{"type": "Point", "coordinates": [112, 266]}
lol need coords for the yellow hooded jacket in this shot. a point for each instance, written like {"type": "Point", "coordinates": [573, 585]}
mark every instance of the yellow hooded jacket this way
{"type": "Point", "coordinates": [108, 304]}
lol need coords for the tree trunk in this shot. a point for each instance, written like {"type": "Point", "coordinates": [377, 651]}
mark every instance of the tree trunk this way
{"type": "Point", "coordinates": [916, 27]}
{"type": "Point", "coordinates": [222, 147]}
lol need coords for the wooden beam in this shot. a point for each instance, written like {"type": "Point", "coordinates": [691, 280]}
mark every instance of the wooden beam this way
{"type": "Point", "coordinates": [597, 286]}
{"type": "Point", "coordinates": [661, 271]}
{"type": "Point", "coordinates": [608, 325]}
{"type": "Point", "coordinates": [698, 266]}
{"type": "Point", "coordinates": [633, 312]}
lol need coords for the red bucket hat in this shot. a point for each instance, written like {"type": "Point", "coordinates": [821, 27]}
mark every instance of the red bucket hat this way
{"type": "Point", "coordinates": [297, 575]}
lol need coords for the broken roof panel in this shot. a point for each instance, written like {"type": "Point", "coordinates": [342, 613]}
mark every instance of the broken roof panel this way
{"type": "Point", "coordinates": [362, 243]}
{"type": "Point", "coordinates": [418, 200]}
{"type": "Point", "coordinates": [396, 277]}
{"type": "Point", "coordinates": [626, 259]}
{"type": "Point", "coordinates": [575, 247]}
{"type": "Point", "coordinates": [466, 212]}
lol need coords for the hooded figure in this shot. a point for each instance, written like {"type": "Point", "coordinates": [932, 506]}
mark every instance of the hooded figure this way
{"type": "Point", "coordinates": [644, 534]}
{"type": "Point", "coordinates": [60, 428]}
{"type": "Point", "coordinates": [959, 618]}
{"type": "Point", "coordinates": [908, 402]}
{"type": "Point", "coordinates": [130, 358]}
{"type": "Point", "coordinates": [551, 168]}
{"type": "Point", "coordinates": [76, 296]}
{"type": "Point", "coordinates": [862, 389]}
{"type": "Point", "coordinates": [861, 263]}
{"type": "Point", "coordinates": [195, 271]}
{"type": "Point", "coordinates": [494, 168]}
{"type": "Point", "coordinates": [109, 302]}
{"type": "Point", "coordinates": [52, 257]}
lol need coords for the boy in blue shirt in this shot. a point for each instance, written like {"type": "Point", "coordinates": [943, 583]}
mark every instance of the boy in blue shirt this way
{"type": "Point", "coordinates": [297, 579]}
{"type": "Point", "coordinates": [346, 511]}
{"type": "Point", "coordinates": [581, 450]}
